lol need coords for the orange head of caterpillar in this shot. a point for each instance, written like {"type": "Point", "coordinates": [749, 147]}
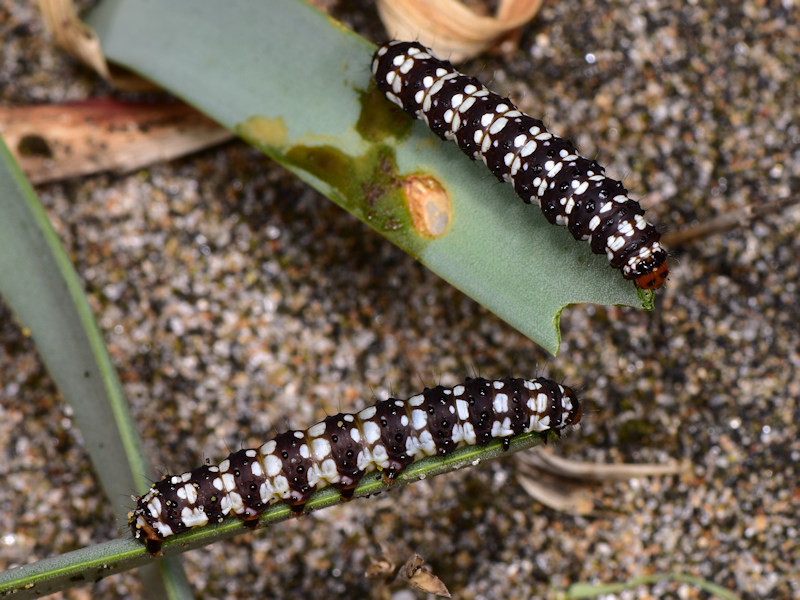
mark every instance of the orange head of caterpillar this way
{"type": "Point", "coordinates": [654, 279]}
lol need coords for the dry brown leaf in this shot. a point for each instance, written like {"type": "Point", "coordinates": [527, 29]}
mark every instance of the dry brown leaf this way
{"type": "Point", "coordinates": [413, 571]}
{"type": "Point", "coordinates": [53, 142]}
{"type": "Point", "coordinates": [449, 28]}
{"type": "Point", "coordinates": [728, 221]}
{"type": "Point", "coordinates": [560, 495]}
{"type": "Point", "coordinates": [420, 577]}
{"type": "Point", "coordinates": [75, 37]}
{"type": "Point", "coordinates": [560, 484]}
{"type": "Point", "coordinates": [588, 471]}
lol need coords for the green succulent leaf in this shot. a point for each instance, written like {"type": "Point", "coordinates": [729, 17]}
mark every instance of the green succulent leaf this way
{"type": "Point", "coordinates": [116, 556]}
{"type": "Point", "coordinates": [297, 85]}
{"type": "Point", "coordinates": [39, 284]}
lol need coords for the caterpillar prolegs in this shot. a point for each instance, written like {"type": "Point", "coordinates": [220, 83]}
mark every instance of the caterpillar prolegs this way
{"type": "Point", "coordinates": [340, 450]}
{"type": "Point", "coordinates": [571, 190]}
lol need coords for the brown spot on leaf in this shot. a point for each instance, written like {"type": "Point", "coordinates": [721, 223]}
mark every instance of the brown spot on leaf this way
{"type": "Point", "coordinates": [429, 204]}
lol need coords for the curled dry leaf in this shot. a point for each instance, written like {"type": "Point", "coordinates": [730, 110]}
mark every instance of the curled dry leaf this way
{"type": "Point", "coordinates": [60, 141]}
{"type": "Point", "coordinates": [728, 221]}
{"type": "Point", "coordinates": [75, 37]}
{"type": "Point", "coordinates": [419, 576]}
{"type": "Point", "coordinates": [561, 484]}
{"type": "Point", "coordinates": [450, 28]}
{"type": "Point", "coordinates": [413, 572]}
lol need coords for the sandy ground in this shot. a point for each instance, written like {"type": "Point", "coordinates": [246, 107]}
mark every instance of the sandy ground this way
{"type": "Point", "coordinates": [236, 302]}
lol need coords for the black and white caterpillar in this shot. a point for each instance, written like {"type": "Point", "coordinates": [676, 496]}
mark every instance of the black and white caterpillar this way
{"type": "Point", "coordinates": [571, 190]}
{"type": "Point", "coordinates": [339, 451]}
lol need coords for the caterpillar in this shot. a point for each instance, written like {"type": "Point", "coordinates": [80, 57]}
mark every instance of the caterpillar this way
{"type": "Point", "coordinates": [571, 190]}
{"type": "Point", "coordinates": [340, 450]}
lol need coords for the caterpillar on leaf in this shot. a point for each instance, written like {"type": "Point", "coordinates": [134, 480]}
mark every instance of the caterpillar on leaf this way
{"type": "Point", "coordinates": [571, 190]}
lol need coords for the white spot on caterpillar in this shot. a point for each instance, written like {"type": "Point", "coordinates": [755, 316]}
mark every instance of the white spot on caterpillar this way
{"type": "Point", "coordinates": [193, 517]}
{"type": "Point", "coordinates": [500, 403]}
{"type": "Point", "coordinates": [419, 420]}
{"type": "Point", "coordinates": [466, 105]}
{"type": "Point", "coordinates": [614, 243]}
{"type": "Point", "coordinates": [367, 413]}
{"type": "Point", "coordinates": [397, 87]}
{"type": "Point", "coordinates": [164, 530]}
{"type": "Point", "coordinates": [281, 486]}
{"type": "Point", "coordinates": [498, 126]}
{"type": "Point", "coordinates": [266, 492]}
{"type": "Point", "coordinates": [154, 506]}
{"type": "Point", "coordinates": [226, 504]}
{"type": "Point", "coordinates": [416, 400]}
{"type": "Point", "coordinates": [364, 459]}
{"type": "Point", "coordinates": [469, 433]}
{"type": "Point", "coordinates": [625, 228]}
{"type": "Point", "coordinates": [314, 475]}
{"type": "Point", "coordinates": [502, 428]}
{"type": "Point", "coordinates": [426, 443]}
{"type": "Point", "coordinates": [528, 149]}
{"type": "Point", "coordinates": [317, 430]}
{"type": "Point", "coordinates": [380, 457]}
{"type": "Point", "coordinates": [273, 465]}
{"type": "Point", "coordinates": [372, 433]}
{"type": "Point", "coordinates": [229, 482]}
{"type": "Point", "coordinates": [407, 65]}
{"type": "Point", "coordinates": [457, 434]}
{"type": "Point", "coordinates": [329, 471]}
{"type": "Point", "coordinates": [541, 402]}
{"type": "Point", "coordinates": [487, 141]}
{"type": "Point", "coordinates": [190, 492]}
{"type": "Point", "coordinates": [321, 448]}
